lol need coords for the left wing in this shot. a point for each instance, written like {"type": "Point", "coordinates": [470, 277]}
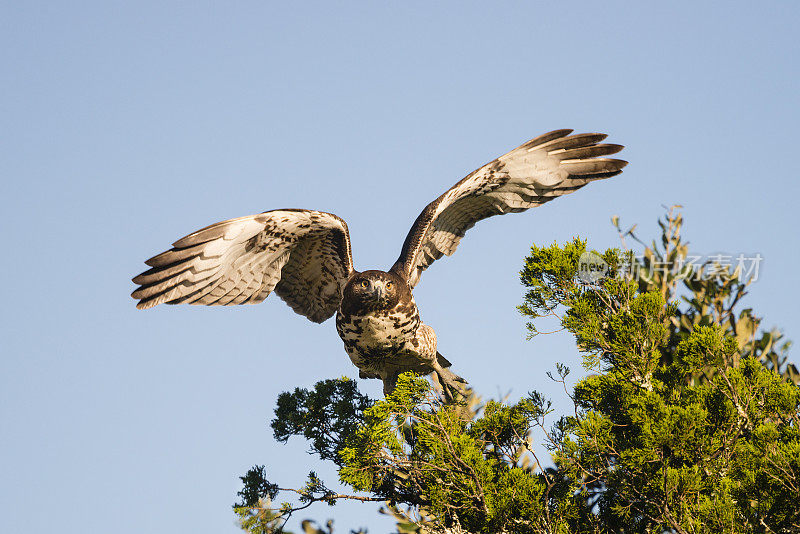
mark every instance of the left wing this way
{"type": "Point", "coordinates": [303, 255]}
{"type": "Point", "coordinates": [536, 172]}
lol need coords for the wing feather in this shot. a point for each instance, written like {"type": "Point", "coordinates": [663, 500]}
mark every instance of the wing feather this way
{"type": "Point", "coordinates": [303, 255]}
{"type": "Point", "coordinates": [546, 167]}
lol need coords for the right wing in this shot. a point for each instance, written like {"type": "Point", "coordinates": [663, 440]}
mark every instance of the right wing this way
{"type": "Point", "coordinates": [536, 172]}
{"type": "Point", "coordinates": [303, 255]}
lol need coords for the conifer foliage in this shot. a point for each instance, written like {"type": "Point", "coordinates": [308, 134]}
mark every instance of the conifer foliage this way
{"type": "Point", "coordinates": [688, 420]}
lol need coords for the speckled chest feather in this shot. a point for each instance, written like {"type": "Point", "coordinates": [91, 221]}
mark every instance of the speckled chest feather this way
{"type": "Point", "coordinates": [379, 333]}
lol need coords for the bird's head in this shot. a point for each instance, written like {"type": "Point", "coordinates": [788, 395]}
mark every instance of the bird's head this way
{"type": "Point", "coordinates": [375, 290]}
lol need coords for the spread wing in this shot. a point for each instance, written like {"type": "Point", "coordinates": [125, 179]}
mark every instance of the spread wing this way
{"type": "Point", "coordinates": [536, 172]}
{"type": "Point", "coordinates": [303, 255]}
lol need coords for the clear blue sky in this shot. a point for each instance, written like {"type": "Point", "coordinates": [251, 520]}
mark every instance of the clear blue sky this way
{"type": "Point", "coordinates": [126, 125]}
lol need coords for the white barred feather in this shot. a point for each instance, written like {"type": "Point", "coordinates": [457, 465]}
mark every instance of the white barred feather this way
{"type": "Point", "coordinates": [303, 255]}
{"type": "Point", "coordinates": [549, 166]}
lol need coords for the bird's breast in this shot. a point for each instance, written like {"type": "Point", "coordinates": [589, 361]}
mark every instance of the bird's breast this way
{"type": "Point", "coordinates": [379, 331]}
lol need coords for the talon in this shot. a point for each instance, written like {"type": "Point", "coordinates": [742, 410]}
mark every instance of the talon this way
{"type": "Point", "coordinates": [449, 383]}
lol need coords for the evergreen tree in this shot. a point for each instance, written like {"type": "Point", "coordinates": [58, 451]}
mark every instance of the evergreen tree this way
{"type": "Point", "coordinates": [688, 421]}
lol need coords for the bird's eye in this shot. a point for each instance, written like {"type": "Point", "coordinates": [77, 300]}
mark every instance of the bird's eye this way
{"type": "Point", "coordinates": [389, 285]}
{"type": "Point", "coordinates": [364, 284]}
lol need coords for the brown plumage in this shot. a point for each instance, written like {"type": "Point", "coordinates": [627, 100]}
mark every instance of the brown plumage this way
{"type": "Point", "coordinates": [305, 256]}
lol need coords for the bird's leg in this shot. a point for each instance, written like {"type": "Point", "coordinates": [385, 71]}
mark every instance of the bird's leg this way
{"type": "Point", "coordinates": [448, 381]}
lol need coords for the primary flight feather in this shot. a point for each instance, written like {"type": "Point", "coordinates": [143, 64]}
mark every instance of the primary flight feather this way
{"type": "Point", "coordinates": [304, 256]}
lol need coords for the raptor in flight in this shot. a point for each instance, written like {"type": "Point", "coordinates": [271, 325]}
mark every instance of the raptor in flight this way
{"type": "Point", "coordinates": [304, 256]}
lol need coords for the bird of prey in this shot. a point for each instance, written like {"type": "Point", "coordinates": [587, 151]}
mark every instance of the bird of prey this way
{"type": "Point", "coordinates": [304, 256]}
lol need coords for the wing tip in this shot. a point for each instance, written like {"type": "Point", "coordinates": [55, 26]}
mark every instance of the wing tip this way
{"type": "Point", "coordinates": [145, 304]}
{"type": "Point", "coordinates": [618, 164]}
{"type": "Point", "coordinates": [546, 138]}
{"type": "Point", "coordinates": [612, 148]}
{"type": "Point", "coordinates": [140, 294]}
{"type": "Point", "coordinates": [189, 240]}
{"type": "Point", "coordinates": [159, 260]}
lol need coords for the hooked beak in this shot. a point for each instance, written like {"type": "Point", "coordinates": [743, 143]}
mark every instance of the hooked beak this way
{"type": "Point", "coordinates": [380, 292]}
